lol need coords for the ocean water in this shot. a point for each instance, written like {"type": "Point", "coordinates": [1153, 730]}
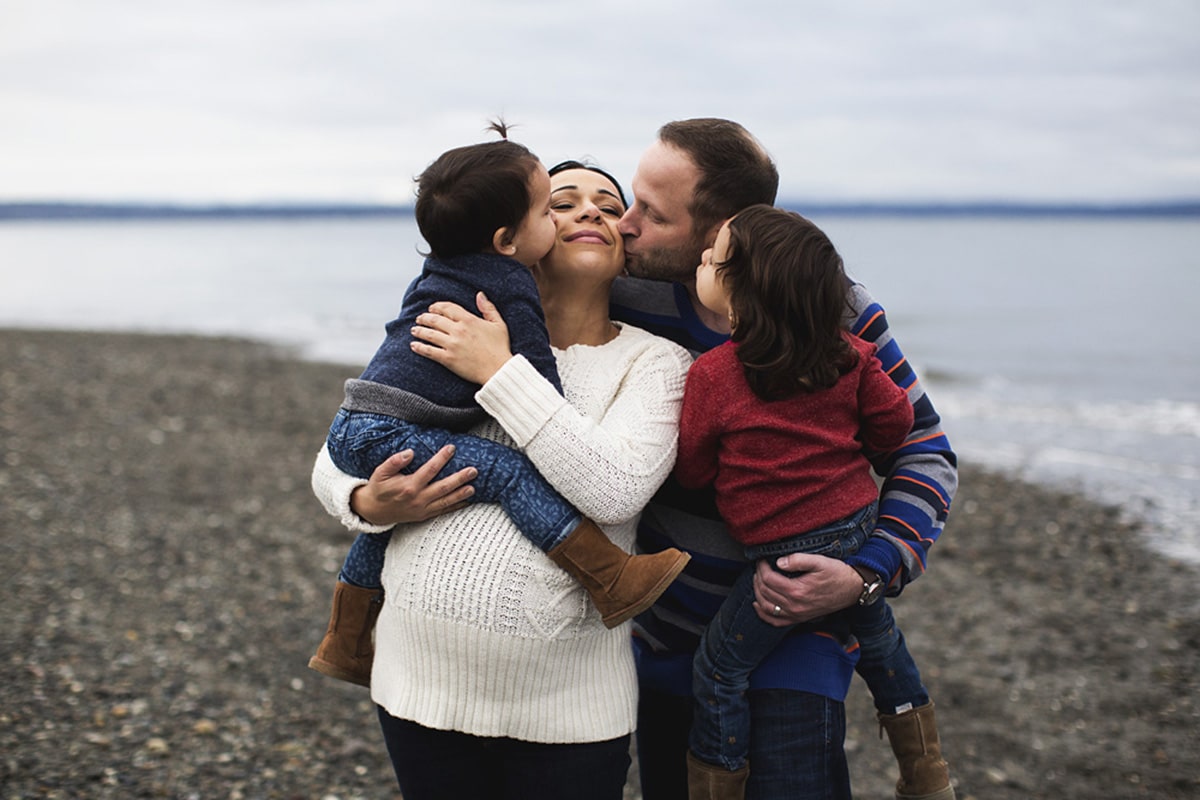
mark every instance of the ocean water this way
{"type": "Point", "coordinates": [1058, 349]}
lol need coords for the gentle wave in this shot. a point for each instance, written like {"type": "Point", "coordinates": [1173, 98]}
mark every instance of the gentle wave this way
{"type": "Point", "coordinates": [1142, 457]}
{"type": "Point", "coordinates": [1157, 417]}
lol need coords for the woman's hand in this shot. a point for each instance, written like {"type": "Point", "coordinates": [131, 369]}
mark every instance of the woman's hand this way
{"type": "Point", "coordinates": [472, 348]}
{"type": "Point", "coordinates": [392, 497]}
{"type": "Point", "coordinates": [824, 585]}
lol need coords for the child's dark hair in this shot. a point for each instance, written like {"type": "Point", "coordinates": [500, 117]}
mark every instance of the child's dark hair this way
{"type": "Point", "coordinates": [469, 192]}
{"type": "Point", "coordinates": [788, 292]}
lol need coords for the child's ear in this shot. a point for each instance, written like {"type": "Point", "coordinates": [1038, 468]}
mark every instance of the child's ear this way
{"type": "Point", "coordinates": [502, 242]}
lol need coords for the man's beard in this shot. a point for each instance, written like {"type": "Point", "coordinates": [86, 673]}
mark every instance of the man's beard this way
{"type": "Point", "coordinates": [668, 264]}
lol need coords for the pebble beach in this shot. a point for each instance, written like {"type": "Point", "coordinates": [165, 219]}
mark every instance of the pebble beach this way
{"type": "Point", "coordinates": [168, 572]}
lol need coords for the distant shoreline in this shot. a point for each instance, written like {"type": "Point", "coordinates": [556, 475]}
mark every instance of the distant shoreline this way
{"type": "Point", "coordinates": [22, 211]}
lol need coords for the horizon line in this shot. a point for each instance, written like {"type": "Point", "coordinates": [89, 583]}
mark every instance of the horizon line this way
{"type": "Point", "coordinates": [117, 209]}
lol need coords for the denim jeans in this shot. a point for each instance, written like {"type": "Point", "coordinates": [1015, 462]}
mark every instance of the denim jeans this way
{"type": "Point", "coordinates": [736, 641]}
{"type": "Point", "coordinates": [797, 752]}
{"type": "Point", "coordinates": [359, 442]}
{"type": "Point", "coordinates": [884, 661]}
{"type": "Point", "coordinates": [450, 765]}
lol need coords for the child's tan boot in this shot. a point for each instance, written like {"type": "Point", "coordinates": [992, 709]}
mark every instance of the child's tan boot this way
{"type": "Point", "coordinates": [914, 738]}
{"type": "Point", "coordinates": [348, 648]}
{"type": "Point", "coordinates": [621, 586]}
{"type": "Point", "coordinates": [711, 782]}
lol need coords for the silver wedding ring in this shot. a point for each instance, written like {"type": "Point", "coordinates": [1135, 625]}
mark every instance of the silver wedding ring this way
{"type": "Point", "coordinates": [775, 612]}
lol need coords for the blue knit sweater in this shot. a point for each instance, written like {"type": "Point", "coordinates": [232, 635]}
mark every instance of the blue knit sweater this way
{"type": "Point", "coordinates": [400, 383]}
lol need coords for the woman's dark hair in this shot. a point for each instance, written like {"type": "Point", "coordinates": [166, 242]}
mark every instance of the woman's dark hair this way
{"type": "Point", "coordinates": [788, 292]}
{"type": "Point", "coordinates": [563, 166]}
{"type": "Point", "coordinates": [735, 170]}
{"type": "Point", "coordinates": [470, 192]}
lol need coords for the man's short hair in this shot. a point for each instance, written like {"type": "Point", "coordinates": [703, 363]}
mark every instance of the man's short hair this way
{"type": "Point", "coordinates": [736, 171]}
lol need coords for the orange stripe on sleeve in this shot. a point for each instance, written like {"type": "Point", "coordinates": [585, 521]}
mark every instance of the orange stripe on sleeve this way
{"type": "Point", "coordinates": [928, 438]}
{"type": "Point", "coordinates": [915, 536]}
{"type": "Point", "coordinates": [867, 324]}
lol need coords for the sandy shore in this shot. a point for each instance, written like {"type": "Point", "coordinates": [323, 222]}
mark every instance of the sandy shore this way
{"type": "Point", "coordinates": [167, 577]}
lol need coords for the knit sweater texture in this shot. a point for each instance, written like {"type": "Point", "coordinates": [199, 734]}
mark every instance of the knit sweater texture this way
{"type": "Point", "coordinates": [400, 383]}
{"type": "Point", "coordinates": [480, 632]}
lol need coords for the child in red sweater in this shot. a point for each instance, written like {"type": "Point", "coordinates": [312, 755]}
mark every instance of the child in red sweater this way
{"type": "Point", "coordinates": [778, 420]}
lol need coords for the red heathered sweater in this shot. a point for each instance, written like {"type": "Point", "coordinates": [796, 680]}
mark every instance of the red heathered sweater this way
{"type": "Point", "coordinates": [784, 467]}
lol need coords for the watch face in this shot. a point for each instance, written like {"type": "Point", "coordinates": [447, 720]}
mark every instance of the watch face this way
{"type": "Point", "coordinates": [871, 592]}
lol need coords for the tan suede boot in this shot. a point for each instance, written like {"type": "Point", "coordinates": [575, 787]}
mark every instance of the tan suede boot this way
{"type": "Point", "coordinates": [914, 738]}
{"type": "Point", "coordinates": [348, 648]}
{"type": "Point", "coordinates": [710, 782]}
{"type": "Point", "coordinates": [621, 586]}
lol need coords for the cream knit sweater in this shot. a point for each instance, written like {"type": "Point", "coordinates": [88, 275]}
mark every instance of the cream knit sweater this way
{"type": "Point", "coordinates": [480, 631]}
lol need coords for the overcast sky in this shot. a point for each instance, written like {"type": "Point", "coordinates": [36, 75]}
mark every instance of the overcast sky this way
{"type": "Point", "coordinates": [346, 100]}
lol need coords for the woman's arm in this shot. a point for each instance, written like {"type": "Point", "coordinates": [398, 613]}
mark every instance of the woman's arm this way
{"type": "Point", "coordinates": [608, 466]}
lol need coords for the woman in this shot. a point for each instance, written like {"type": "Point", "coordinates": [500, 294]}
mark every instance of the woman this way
{"type": "Point", "coordinates": [494, 674]}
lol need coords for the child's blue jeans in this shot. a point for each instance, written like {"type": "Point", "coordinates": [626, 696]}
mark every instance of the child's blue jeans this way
{"type": "Point", "coordinates": [359, 442]}
{"type": "Point", "coordinates": [884, 661]}
{"type": "Point", "coordinates": [736, 641]}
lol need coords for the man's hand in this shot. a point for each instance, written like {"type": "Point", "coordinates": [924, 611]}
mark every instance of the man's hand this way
{"type": "Point", "coordinates": [823, 586]}
{"type": "Point", "coordinates": [392, 497]}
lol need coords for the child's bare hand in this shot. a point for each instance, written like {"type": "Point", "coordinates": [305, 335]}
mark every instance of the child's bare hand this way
{"type": "Point", "coordinates": [473, 348]}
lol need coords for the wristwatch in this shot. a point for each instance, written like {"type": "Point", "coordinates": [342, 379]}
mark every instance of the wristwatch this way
{"type": "Point", "coordinates": [873, 586]}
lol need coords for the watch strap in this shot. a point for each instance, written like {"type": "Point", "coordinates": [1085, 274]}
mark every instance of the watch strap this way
{"type": "Point", "coordinates": [873, 585]}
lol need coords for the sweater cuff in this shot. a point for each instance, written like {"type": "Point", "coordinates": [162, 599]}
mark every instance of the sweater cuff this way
{"type": "Point", "coordinates": [333, 488]}
{"type": "Point", "coordinates": [880, 555]}
{"type": "Point", "coordinates": [520, 399]}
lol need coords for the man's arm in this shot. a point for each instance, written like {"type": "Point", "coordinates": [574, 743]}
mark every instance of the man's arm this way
{"type": "Point", "coordinates": [919, 478]}
{"type": "Point", "coordinates": [919, 481]}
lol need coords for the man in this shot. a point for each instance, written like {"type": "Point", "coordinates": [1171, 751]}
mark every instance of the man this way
{"type": "Point", "coordinates": [696, 175]}
{"type": "Point", "coordinates": [693, 177]}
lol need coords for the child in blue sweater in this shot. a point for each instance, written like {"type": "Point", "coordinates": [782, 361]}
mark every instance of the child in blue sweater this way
{"type": "Point", "coordinates": [484, 211]}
